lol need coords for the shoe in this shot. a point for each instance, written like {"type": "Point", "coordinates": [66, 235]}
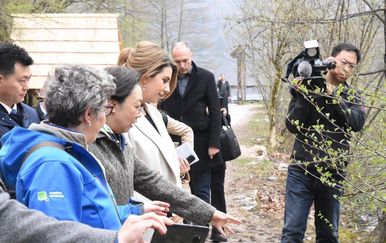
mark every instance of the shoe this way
{"type": "Point", "coordinates": [217, 237]}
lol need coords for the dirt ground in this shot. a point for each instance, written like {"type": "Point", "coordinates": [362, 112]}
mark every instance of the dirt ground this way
{"type": "Point", "coordinates": [254, 186]}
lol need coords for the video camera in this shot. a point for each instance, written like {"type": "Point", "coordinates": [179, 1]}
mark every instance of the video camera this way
{"type": "Point", "coordinates": [308, 65]}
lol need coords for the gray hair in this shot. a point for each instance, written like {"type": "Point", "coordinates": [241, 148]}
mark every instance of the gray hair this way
{"type": "Point", "coordinates": [72, 89]}
{"type": "Point", "coordinates": [180, 44]}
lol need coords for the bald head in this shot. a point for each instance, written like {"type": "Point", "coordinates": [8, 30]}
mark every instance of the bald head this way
{"type": "Point", "coordinates": [182, 56]}
{"type": "Point", "coordinates": [181, 46]}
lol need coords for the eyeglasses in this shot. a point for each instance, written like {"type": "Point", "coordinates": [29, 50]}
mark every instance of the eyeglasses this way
{"type": "Point", "coordinates": [351, 66]}
{"type": "Point", "coordinates": [139, 109]}
{"type": "Point", "coordinates": [108, 109]}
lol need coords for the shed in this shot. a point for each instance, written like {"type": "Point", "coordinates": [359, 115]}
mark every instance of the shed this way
{"type": "Point", "coordinates": [57, 39]}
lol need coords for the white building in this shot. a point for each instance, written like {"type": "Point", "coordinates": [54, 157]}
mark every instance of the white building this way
{"type": "Point", "coordinates": [57, 39]}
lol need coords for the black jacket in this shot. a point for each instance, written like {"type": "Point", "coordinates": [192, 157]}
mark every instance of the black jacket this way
{"type": "Point", "coordinates": [322, 137]}
{"type": "Point", "coordinates": [223, 89]}
{"type": "Point", "coordinates": [191, 109]}
{"type": "Point", "coordinates": [28, 114]}
{"type": "Point", "coordinates": [223, 93]}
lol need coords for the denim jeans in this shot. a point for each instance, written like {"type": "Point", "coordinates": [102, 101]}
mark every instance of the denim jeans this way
{"type": "Point", "coordinates": [301, 191]}
{"type": "Point", "coordinates": [200, 184]}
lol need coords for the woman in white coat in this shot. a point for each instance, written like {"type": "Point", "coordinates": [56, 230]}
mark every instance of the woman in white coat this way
{"type": "Point", "coordinates": [149, 136]}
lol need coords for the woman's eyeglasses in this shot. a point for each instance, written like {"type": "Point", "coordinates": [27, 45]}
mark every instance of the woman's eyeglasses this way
{"type": "Point", "coordinates": [108, 109]}
{"type": "Point", "coordinates": [139, 109]}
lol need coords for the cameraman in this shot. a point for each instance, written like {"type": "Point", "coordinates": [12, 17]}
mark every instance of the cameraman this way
{"type": "Point", "coordinates": [322, 124]}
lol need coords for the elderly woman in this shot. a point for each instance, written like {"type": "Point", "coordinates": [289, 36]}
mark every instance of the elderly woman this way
{"type": "Point", "coordinates": [49, 164]}
{"type": "Point", "coordinates": [125, 172]}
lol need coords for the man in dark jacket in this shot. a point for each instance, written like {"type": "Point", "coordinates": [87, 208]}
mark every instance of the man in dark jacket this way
{"type": "Point", "coordinates": [224, 91]}
{"type": "Point", "coordinates": [195, 103]}
{"type": "Point", "coordinates": [15, 74]}
{"type": "Point", "coordinates": [322, 124]}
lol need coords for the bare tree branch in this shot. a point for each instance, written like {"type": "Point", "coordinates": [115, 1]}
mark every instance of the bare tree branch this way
{"type": "Point", "coordinates": [371, 73]}
{"type": "Point", "coordinates": [370, 7]}
{"type": "Point", "coordinates": [307, 21]}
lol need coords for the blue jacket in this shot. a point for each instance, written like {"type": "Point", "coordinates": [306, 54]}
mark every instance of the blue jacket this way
{"type": "Point", "coordinates": [29, 116]}
{"type": "Point", "coordinates": [66, 184]}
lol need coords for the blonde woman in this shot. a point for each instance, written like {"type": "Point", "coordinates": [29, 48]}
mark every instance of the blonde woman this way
{"type": "Point", "coordinates": [173, 126]}
{"type": "Point", "coordinates": [149, 136]}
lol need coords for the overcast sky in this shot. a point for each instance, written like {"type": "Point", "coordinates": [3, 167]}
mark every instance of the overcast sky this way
{"type": "Point", "coordinates": [225, 63]}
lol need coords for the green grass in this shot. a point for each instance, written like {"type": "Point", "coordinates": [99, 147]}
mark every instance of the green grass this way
{"type": "Point", "coordinates": [242, 161]}
{"type": "Point", "coordinates": [257, 127]}
{"type": "Point", "coordinates": [263, 168]}
{"type": "Point", "coordinates": [255, 133]}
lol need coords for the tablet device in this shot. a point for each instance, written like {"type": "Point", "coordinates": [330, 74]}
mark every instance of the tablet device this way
{"type": "Point", "coordinates": [182, 233]}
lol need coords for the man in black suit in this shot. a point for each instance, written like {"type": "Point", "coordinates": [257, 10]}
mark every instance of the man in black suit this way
{"type": "Point", "coordinates": [195, 103]}
{"type": "Point", "coordinates": [224, 92]}
{"type": "Point", "coordinates": [15, 74]}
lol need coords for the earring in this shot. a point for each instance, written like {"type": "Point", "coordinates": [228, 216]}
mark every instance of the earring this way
{"type": "Point", "coordinates": [89, 124]}
{"type": "Point", "coordinates": [143, 89]}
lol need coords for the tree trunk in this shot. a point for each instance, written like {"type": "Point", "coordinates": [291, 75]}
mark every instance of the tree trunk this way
{"type": "Point", "coordinates": [239, 54]}
{"type": "Point", "coordinates": [379, 234]}
{"type": "Point", "coordinates": [180, 22]}
{"type": "Point", "coordinates": [163, 24]}
{"type": "Point", "coordinates": [243, 76]}
{"type": "Point", "coordinates": [382, 230]}
{"type": "Point", "coordinates": [382, 223]}
{"type": "Point", "coordinates": [384, 37]}
{"type": "Point", "coordinates": [272, 112]}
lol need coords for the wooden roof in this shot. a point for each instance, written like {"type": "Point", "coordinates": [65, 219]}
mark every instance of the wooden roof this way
{"type": "Point", "coordinates": [57, 39]}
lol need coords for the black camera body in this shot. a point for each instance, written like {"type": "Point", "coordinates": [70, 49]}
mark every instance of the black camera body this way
{"type": "Point", "coordinates": [309, 65]}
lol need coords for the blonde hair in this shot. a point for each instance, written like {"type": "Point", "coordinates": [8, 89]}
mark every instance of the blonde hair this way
{"type": "Point", "coordinates": [149, 60]}
{"type": "Point", "coordinates": [123, 56]}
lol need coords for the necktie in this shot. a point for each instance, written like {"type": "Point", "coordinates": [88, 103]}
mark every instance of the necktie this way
{"type": "Point", "coordinates": [16, 117]}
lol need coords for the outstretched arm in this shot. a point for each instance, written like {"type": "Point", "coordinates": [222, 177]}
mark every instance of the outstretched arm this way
{"type": "Point", "coordinates": [155, 187]}
{"type": "Point", "coordinates": [20, 224]}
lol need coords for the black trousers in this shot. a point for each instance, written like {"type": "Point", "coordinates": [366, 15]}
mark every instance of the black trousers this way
{"type": "Point", "coordinates": [217, 188]}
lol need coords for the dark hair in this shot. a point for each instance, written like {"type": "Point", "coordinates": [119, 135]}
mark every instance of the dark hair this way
{"type": "Point", "coordinates": [346, 47]}
{"type": "Point", "coordinates": [125, 80]}
{"type": "Point", "coordinates": [10, 54]}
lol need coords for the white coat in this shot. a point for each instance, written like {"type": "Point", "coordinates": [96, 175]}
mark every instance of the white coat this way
{"type": "Point", "coordinates": [153, 147]}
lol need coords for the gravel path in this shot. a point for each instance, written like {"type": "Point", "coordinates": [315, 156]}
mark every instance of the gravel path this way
{"type": "Point", "coordinates": [255, 198]}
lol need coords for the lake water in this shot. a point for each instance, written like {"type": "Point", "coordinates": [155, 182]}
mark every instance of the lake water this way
{"type": "Point", "coordinates": [252, 93]}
